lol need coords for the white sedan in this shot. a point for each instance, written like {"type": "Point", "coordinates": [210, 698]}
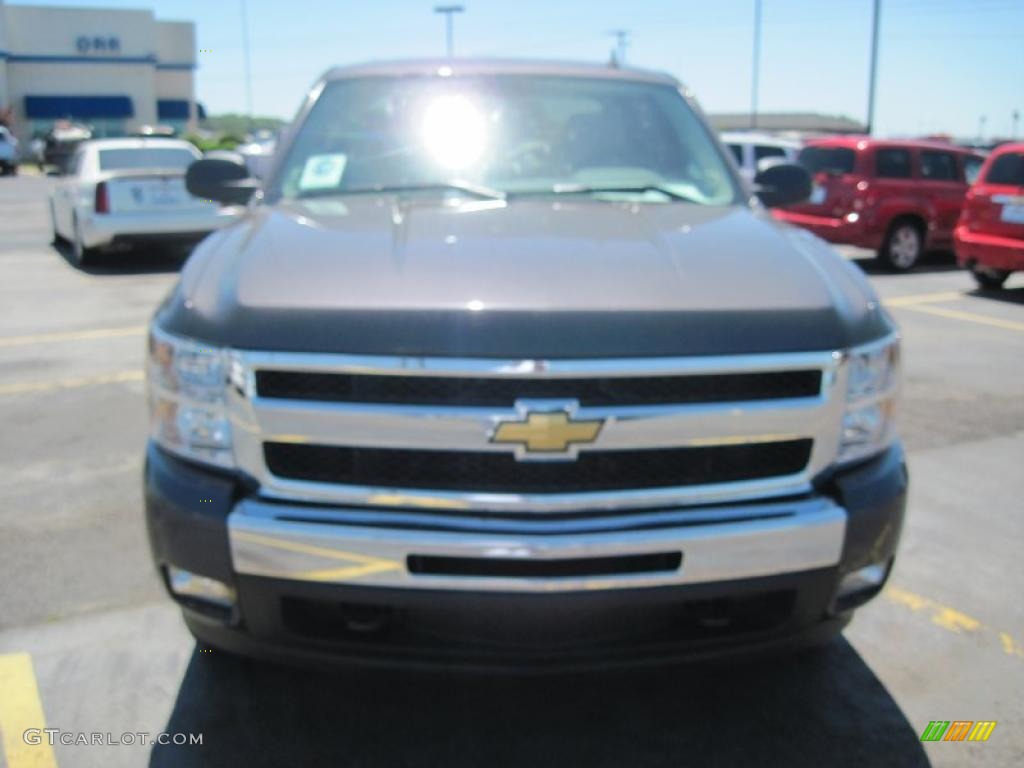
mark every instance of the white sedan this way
{"type": "Point", "coordinates": [130, 192]}
{"type": "Point", "coordinates": [754, 152]}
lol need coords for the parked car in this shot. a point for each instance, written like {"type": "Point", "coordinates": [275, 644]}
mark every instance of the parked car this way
{"type": "Point", "coordinates": [121, 192]}
{"type": "Point", "coordinates": [259, 155]}
{"type": "Point", "coordinates": [754, 152]}
{"type": "Point", "coordinates": [61, 141]}
{"type": "Point", "coordinates": [8, 152]}
{"type": "Point", "coordinates": [989, 238]}
{"type": "Point", "coordinates": [504, 366]}
{"type": "Point", "coordinates": [899, 198]}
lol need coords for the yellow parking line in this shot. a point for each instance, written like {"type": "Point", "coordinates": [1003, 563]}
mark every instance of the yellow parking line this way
{"type": "Point", "coordinates": [49, 386]}
{"type": "Point", "coordinates": [922, 298]}
{"type": "Point", "coordinates": [20, 710]}
{"type": "Point", "coordinates": [308, 549]}
{"type": "Point", "coordinates": [364, 565]}
{"type": "Point", "coordinates": [50, 338]}
{"type": "Point", "coordinates": [970, 317]}
{"type": "Point", "coordinates": [951, 619]}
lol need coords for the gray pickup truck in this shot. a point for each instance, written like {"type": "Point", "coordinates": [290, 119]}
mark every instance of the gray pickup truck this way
{"type": "Point", "coordinates": [505, 366]}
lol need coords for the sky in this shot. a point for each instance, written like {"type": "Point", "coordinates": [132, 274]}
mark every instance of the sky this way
{"type": "Point", "coordinates": [943, 65]}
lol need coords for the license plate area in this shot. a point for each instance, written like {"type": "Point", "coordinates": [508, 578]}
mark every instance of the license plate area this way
{"type": "Point", "coordinates": [1013, 214]}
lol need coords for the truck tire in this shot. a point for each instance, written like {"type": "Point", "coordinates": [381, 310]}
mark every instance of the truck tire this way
{"type": "Point", "coordinates": [989, 279]}
{"type": "Point", "coordinates": [903, 245]}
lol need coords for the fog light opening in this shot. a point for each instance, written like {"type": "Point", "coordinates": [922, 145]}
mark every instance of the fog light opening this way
{"type": "Point", "coordinates": [859, 586]}
{"type": "Point", "coordinates": [366, 619]}
{"type": "Point", "coordinates": [192, 588]}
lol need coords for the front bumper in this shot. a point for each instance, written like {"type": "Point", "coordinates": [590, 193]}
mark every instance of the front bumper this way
{"type": "Point", "coordinates": [314, 582]}
{"type": "Point", "coordinates": [992, 251]}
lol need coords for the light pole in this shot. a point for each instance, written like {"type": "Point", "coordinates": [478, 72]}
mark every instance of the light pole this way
{"type": "Point", "coordinates": [754, 76]}
{"type": "Point", "coordinates": [875, 14]}
{"type": "Point", "coordinates": [449, 11]}
{"type": "Point", "coordinates": [248, 71]}
{"type": "Point", "coordinates": [621, 43]}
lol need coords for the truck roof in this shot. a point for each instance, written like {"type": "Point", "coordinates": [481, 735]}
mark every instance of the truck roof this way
{"type": "Point", "coordinates": [457, 67]}
{"type": "Point", "coordinates": [863, 142]}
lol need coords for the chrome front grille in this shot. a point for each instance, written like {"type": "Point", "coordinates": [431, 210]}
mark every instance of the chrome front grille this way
{"type": "Point", "coordinates": [418, 432]}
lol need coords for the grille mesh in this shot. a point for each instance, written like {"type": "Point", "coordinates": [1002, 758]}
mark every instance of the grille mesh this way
{"type": "Point", "coordinates": [503, 392]}
{"type": "Point", "coordinates": [501, 473]}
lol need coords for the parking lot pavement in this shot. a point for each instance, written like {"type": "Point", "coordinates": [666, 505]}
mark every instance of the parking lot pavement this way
{"type": "Point", "coordinates": [89, 644]}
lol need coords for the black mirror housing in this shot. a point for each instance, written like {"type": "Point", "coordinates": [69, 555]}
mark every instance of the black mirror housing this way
{"type": "Point", "coordinates": [783, 184]}
{"type": "Point", "coordinates": [224, 180]}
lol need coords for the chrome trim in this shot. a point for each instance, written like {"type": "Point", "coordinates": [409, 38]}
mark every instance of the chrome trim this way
{"type": "Point", "coordinates": [255, 419]}
{"type": "Point", "coordinates": [513, 368]}
{"type": "Point", "coordinates": [469, 429]}
{"type": "Point", "coordinates": [281, 541]}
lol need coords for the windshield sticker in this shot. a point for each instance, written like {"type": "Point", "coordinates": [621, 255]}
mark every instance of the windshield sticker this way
{"type": "Point", "coordinates": [322, 171]}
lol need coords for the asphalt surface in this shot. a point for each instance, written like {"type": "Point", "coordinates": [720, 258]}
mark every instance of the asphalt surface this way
{"type": "Point", "coordinates": [105, 652]}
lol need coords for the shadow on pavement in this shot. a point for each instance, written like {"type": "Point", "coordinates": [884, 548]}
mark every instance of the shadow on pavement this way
{"type": "Point", "coordinates": [133, 262]}
{"type": "Point", "coordinates": [824, 708]}
{"type": "Point", "coordinates": [1008, 295]}
{"type": "Point", "coordinates": [932, 262]}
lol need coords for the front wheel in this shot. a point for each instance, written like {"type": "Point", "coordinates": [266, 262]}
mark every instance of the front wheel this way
{"type": "Point", "coordinates": [987, 278]}
{"type": "Point", "coordinates": [902, 247]}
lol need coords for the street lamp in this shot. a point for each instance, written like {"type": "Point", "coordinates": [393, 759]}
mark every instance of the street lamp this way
{"type": "Point", "coordinates": [621, 43]}
{"type": "Point", "coordinates": [876, 12]}
{"type": "Point", "coordinates": [248, 70]}
{"type": "Point", "coordinates": [755, 74]}
{"type": "Point", "coordinates": [449, 11]}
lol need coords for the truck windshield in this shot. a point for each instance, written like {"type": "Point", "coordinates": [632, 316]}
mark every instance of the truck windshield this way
{"type": "Point", "coordinates": [515, 134]}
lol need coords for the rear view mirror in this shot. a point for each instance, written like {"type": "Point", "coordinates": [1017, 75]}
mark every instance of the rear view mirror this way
{"type": "Point", "coordinates": [224, 180]}
{"type": "Point", "coordinates": [783, 184]}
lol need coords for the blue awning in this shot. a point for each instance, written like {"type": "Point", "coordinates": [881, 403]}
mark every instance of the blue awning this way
{"type": "Point", "coordinates": [172, 109]}
{"type": "Point", "coordinates": [77, 107]}
{"type": "Point", "coordinates": [200, 111]}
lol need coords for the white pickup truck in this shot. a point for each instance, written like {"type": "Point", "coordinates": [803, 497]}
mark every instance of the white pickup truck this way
{"type": "Point", "coordinates": [122, 192]}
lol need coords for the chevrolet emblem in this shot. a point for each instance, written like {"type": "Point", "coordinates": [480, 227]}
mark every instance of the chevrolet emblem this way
{"type": "Point", "coordinates": [552, 432]}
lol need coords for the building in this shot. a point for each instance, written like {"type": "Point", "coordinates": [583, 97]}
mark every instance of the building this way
{"type": "Point", "coordinates": [789, 123]}
{"type": "Point", "coordinates": [115, 70]}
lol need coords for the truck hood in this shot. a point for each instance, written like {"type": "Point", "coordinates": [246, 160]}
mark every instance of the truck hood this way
{"type": "Point", "coordinates": [524, 278]}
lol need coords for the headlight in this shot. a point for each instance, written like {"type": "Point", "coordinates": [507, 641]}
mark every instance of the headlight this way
{"type": "Point", "coordinates": [187, 382]}
{"type": "Point", "coordinates": [872, 386]}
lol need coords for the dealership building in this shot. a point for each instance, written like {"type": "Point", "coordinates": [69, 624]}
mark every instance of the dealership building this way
{"type": "Point", "coordinates": [114, 70]}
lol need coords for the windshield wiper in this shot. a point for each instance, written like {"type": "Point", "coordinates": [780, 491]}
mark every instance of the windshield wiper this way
{"type": "Point", "coordinates": [468, 187]}
{"type": "Point", "coordinates": [583, 189]}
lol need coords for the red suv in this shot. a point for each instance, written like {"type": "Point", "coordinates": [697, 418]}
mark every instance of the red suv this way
{"type": "Point", "coordinates": [900, 198]}
{"type": "Point", "coordinates": [989, 239]}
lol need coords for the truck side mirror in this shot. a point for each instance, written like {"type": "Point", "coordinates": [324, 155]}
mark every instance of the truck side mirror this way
{"type": "Point", "coordinates": [783, 184]}
{"type": "Point", "coordinates": [223, 180]}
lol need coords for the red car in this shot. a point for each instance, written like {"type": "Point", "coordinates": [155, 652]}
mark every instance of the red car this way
{"type": "Point", "coordinates": [899, 198]}
{"type": "Point", "coordinates": [989, 238]}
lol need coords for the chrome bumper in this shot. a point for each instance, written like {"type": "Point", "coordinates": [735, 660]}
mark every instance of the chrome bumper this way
{"type": "Point", "coordinates": [371, 548]}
